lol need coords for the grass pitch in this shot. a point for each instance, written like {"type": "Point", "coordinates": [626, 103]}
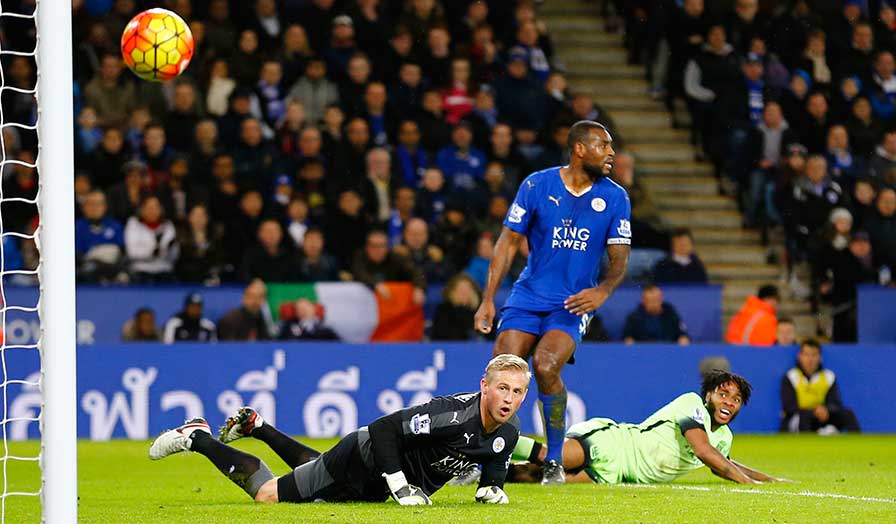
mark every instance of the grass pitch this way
{"type": "Point", "coordinates": [836, 479]}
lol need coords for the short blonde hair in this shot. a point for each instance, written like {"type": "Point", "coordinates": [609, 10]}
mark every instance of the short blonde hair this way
{"type": "Point", "coordinates": [506, 362]}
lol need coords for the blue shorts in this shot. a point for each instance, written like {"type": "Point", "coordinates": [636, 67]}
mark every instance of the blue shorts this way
{"type": "Point", "coordinates": [540, 322]}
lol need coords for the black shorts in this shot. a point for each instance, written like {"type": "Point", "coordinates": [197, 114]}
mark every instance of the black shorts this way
{"type": "Point", "coordinates": [338, 475]}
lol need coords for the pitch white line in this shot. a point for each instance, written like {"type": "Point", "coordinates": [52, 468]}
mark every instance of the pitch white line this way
{"type": "Point", "coordinates": [813, 494]}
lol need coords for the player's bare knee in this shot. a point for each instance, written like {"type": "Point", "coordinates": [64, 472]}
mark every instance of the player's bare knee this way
{"type": "Point", "coordinates": [267, 493]}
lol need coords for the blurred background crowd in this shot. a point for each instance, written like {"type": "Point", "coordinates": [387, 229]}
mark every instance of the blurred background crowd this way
{"type": "Point", "coordinates": [383, 140]}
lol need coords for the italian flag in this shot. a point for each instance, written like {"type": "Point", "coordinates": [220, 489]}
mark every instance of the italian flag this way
{"type": "Point", "coordinates": [355, 312]}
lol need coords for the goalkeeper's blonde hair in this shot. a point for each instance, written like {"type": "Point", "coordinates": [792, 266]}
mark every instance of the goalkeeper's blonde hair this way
{"type": "Point", "coordinates": [506, 362]}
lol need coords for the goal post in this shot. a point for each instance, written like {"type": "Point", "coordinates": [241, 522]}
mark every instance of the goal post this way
{"type": "Point", "coordinates": [58, 420]}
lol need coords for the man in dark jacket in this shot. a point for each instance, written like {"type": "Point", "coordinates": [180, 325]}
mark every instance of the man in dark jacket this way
{"type": "Point", "coordinates": [843, 271]}
{"type": "Point", "coordinates": [188, 325]}
{"type": "Point", "coordinates": [810, 396]}
{"type": "Point", "coordinates": [271, 260]}
{"type": "Point", "coordinates": [521, 102]}
{"type": "Point", "coordinates": [654, 320]}
{"type": "Point", "coordinates": [307, 324]}
{"type": "Point", "coordinates": [248, 321]}
{"type": "Point", "coordinates": [682, 265]}
{"type": "Point", "coordinates": [375, 265]}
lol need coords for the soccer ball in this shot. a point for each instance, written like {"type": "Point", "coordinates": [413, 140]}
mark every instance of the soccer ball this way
{"type": "Point", "coordinates": [157, 45]}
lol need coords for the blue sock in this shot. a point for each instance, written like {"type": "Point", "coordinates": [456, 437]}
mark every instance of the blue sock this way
{"type": "Point", "coordinates": [553, 408]}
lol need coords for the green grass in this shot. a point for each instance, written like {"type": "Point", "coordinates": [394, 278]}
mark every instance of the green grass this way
{"type": "Point", "coordinates": [118, 484]}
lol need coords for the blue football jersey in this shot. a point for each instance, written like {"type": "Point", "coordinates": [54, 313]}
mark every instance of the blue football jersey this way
{"type": "Point", "coordinates": [567, 235]}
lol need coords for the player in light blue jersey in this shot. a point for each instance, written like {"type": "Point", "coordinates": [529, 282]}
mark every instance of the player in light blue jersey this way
{"type": "Point", "coordinates": [570, 215]}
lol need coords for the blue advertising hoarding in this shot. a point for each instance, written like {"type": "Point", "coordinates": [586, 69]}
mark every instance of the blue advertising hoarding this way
{"type": "Point", "coordinates": [328, 389]}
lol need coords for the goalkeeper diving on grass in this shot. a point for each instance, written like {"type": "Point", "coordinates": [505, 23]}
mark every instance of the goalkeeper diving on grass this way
{"type": "Point", "coordinates": [407, 455]}
{"type": "Point", "coordinates": [684, 435]}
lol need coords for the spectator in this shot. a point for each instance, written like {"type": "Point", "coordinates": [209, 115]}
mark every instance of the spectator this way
{"type": "Point", "coordinates": [863, 198]}
{"type": "Point", "coordinates": [17, 215]}
{"type": "Point", "coordinates": [376, 265]}
{"type": "Point", "coordinates": [201, 248]}
{"type": "Point", "coordinates": [253, 157]}
{"type": "Point", "coordinates": [502, 149]}
{"type": "Point", "coordinates": [453, 318]}
{"type": "Point", "coordinates": [648, 228]}
{"type": "Point", "coordinates": [379, 185]}
{"type": "Point", "coordinates": [461, 163]}
{"type": "Point", "coordinates": [884, 158]}
{"type": "Point", "coordinates": [654, 320]}
{"type": "Point", "coordinates": [521, 101]}
{"type": "Point", "coordinates": [845, 168]}
{"type": "Point", "coordinates": [841, 272]}
{"type": "Point", "coordinates": [405, 202]}
{"type": "Point", "coordinates": [814, 197]}
{"type": "Point", "coordinates": [149, 239]}
{"type": "Point", "coordinates": [429, 258]}
{"type": "Point", "coordinates": [457, 101]}
{"type": "Point", "coordinates": [682, 265]}
{"type": "Point", "coordinates": [538, 61]}
{"type": "Point", "coordinates": [478, 267]}
{"type": "Point", "coordinates": [863, 128]}
{"type": "Point", "coordinates": [881, 228]}
{"type": "Point", "coordinates": [353, 86]}
{"type": "Point", "coordinates": [813, 127]}
{"type": "Point", "coordinates": [188, 325]}
{"type": "Point", "coordinates": [271, 259]}
{"type": "Point", "coordinates": [306, 324]}
{"type": "Point", "coordinates": [455, 234]}
{"type": "Point", "coordinates": [141, 328]}
{"type": "Point", "coordinates": [814, 61]}
{"type": "Point", "coordinates": [810, 396]}
{"type": "Point", "coordinates": [380, 117]}
{"type": "Point", "coordinates": [297, 222]}
{"type": "Point", "coordinates": [220, 87]}
{"type": "Point", "coordinates": [249, 321]}
{"type": "Point", "coordinates": [432, 196]}
{"type": "Point", "coordinates": [882, 89]}
{"type": "Point", "coordinates": [769, 139]}
{"type": "Point", "coordinates": [350, 165]}
{"type": "Point", "coordinates": [111, 97]}
{"type": "Point", "coordinates": [99, 243]}
{"type": "Point", "coordinates": [707, 75]}
{"type": "Point", "coordinates": [755, 324]}
{"type": "Point", "coordinates": [411, 159]}
{"type": "Point", "coordinates": [106, 161]}
{"type": "Point", "coordinates": [314, 264]}
{"type": "Point", "coordinates": [785, 334]}
{"type": "Point", "coordinates": [349, 225]}
{"type": "Point", "coordinates": [181, 120]}
{"type": "Point", "coordinates": [125, 197]}
{"type": "Point", "coordinates": [294, 54]}
{"type": "Point", "coordinates": [857, 58]}
{"type": "Point", "coordinates": [435, 130]}
{"type": "Point", "coordinates": [314, 90]}
{"type": "Point", "coordinates": [270, 95]}
{"type": "Point", "coordinates": [406, 95]}
{"type": "Point", "coordinates": [436, 57]}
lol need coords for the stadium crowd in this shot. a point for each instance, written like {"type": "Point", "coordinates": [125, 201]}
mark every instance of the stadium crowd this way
{"type": "Point", "coordinates": [376, 140]}
{"type": "Point", "coordinates": [794, 103]}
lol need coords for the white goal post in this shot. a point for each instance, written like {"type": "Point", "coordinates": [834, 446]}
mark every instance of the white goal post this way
{"type": "Point", "coordinates": [58, 420]}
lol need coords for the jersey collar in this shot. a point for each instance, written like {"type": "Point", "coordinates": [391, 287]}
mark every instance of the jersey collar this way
{"type": "Point", "coordinates": [569, 189]}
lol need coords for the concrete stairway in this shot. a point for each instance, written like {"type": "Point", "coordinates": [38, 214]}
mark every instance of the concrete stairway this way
{"type": "Point", "coordinates": [685, 190]}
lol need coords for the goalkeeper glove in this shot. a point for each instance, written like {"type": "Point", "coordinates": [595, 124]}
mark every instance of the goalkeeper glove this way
{"type": "Point", "coordinates": [491, 495]}
{"type": "Point", "coordinates": [404, 493]}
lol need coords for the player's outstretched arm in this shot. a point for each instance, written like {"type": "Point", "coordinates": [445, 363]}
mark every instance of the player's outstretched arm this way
{"type": "Point", "coordinates": [590, 299]}
{"type": "Point", "coordinates": [757, 475]}
{"type": "Point", "coordinates": [505, 250]}
{"type": "Point", "coordinates": [720, 465]}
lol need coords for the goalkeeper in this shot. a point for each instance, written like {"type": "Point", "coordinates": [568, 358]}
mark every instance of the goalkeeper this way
{"type": "Point", "coordinates": [409, 454]}
{"type": "Point", "coordinates": [689, 432]}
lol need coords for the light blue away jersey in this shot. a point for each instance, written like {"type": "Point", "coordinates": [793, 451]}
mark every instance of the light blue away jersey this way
{"type": "Point", "coordinates": [567, 235]}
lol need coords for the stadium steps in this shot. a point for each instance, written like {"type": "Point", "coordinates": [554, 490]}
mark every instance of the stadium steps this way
{"type": "Point", "coordinates": [685, 191]}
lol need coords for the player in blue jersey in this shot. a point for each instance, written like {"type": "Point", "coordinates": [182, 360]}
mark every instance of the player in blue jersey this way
{"type": "Point", "coordinates": [569, 215]}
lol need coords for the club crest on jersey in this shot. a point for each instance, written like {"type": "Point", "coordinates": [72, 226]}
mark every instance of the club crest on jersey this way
{"type": "Point", "coordinates": [598, 204]}
{"type": "Point", "coordinates": [419, 424]}
{"type": "Point", "coordinates": [625, 228]}
{"type": "Point", "coordinates": [498, 444]}
{"type": "Point", "coordinates": [570, 237]}
{"type": "Point", "coordinates": [516, 213]}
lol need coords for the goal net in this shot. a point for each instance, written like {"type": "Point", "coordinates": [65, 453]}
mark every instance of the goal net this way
{"type": "Point", "coordinates": [37, 348]}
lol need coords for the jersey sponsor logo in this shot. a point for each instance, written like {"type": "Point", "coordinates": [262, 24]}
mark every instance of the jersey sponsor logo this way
{"type": "Point", "coordinates": [453, 465]}
{"type": "Point", "coordinates": [625, 228]}
{"type": "Point", "coordinates": [468, 436]}
{"type": "Point", "coordinates": [498, 445]}
{"type": "Point", "coordinates": [598, 204]}
{"type": "Point", "coordinates": [419, 424]}
{"type": "Point", "coordinates": [454, 419]}
{"type": "Point", "coordinates": [568, 236]}
{"type": "Point", "coordinates": [516, 213]}
{"type": "Point", "coordinates": [555, 200]}
{"type": "Point", "coordinates": [698, 416]}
